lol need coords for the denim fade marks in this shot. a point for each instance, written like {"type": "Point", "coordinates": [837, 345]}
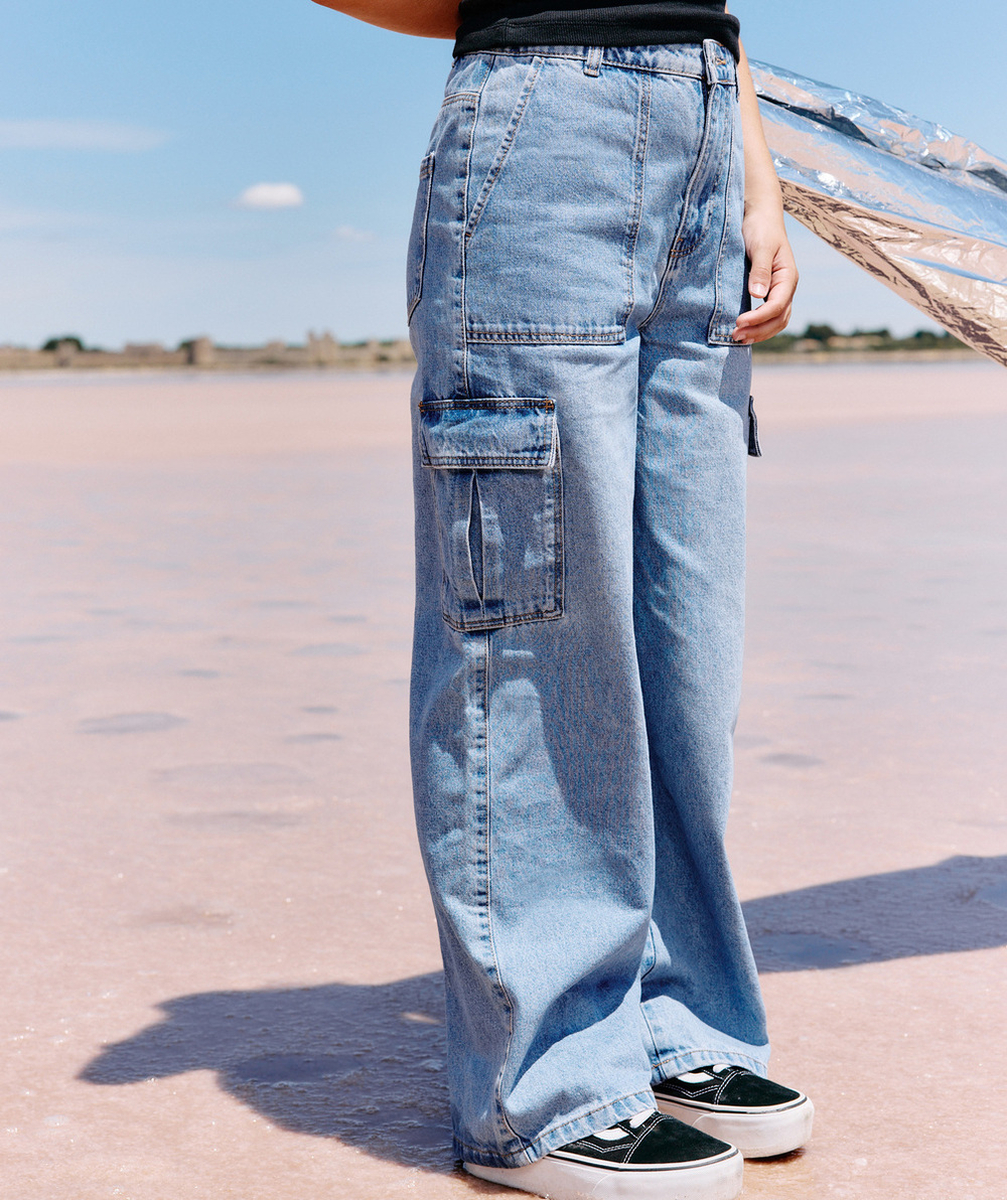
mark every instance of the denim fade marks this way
{"type": "Point", "coordinates": [581, 431]}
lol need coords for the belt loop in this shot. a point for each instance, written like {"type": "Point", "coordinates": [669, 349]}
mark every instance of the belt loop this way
{"type": "Point", "coordinates": [592, 63]}
{"type": "Point", "coordinates": [718, 62]}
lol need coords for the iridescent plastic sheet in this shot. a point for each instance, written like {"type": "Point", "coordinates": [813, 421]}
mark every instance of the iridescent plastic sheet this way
{"type": "Point", "coordinates": [921, 209]}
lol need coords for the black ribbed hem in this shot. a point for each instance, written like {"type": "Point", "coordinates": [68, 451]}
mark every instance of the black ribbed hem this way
{"type": "Point", "coordinates": [611, 27]}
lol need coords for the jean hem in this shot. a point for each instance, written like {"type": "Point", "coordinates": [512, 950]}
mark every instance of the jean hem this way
{"type": "Point", "coordinates": [561, 1134]}
{"type": "Point", "coordinates": [690, 1060]}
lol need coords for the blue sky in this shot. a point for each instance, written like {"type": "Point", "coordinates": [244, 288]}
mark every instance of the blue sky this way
{"type": "Point", "coordinates": [130, 132]}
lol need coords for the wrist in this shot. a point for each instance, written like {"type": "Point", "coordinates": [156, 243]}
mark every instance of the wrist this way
{"type": "Point", "coordinates": [764, 209]}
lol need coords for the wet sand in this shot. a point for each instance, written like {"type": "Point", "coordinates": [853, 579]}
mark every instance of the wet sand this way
{"type": "Point", "coordinates": [219, 960]}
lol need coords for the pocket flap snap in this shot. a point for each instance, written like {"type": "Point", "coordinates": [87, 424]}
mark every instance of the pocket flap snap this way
{"type": "Point", "coordinates": [488, 432]}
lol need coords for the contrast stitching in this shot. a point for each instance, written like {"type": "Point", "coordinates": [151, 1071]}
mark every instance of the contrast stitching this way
{"type": "Point", "coordinates": [636, 213]}
{"type": "Point", "coordinates": [487, 460]}
{"type": "Point", "coordinates": [489, 624]}
{"type": "Point", "coordinates": [488, 402]}
{"type": "Point", "coordinates": [555, 337]}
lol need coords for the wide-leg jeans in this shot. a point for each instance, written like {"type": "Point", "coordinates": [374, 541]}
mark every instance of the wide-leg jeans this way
{"type": "Point", "coordinates": [581, 422]}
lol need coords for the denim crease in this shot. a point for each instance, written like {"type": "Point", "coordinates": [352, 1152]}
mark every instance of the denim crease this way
{"type": "Point", "coordinates": [581, 426]}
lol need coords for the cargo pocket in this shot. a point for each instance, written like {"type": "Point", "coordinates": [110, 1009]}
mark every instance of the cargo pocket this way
{"type": "Point", "coordinates": [418, 239]}
{"type": "Point", "coordinates": [495, 471]}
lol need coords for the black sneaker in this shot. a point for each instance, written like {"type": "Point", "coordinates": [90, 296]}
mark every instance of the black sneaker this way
{"type": "Point", "coordinates": [758, 1116]}
{"type": "Point", "coordinates": [648, 1157]}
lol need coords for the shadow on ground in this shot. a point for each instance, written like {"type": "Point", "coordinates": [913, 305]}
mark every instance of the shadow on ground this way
{"type": "Point", "coordinates": [958, 904]}
{"type": "Point", "coordinates": [365, 1064]}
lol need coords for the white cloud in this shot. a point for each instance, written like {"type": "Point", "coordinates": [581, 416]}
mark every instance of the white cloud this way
{"type": "Point", "coordinates": [78, 135]}
{"type": "Point", "coordinates": [347, 233]}
{"type": "Point", "coordinates": [271, 195]}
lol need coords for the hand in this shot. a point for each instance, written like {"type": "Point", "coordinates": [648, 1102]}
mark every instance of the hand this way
{"type": "Point", "coordinates": [772, 276]}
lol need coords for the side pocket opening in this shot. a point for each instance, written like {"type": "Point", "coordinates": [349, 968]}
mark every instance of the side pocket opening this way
{"type": "Point", "coordinates": [495, 471]}
{"type": "Point", "coordinates": [476, 538]}
{"type": "Point", "coordinates": [418, 238]}
{"type": "Point", "coordinates": [754, 449]}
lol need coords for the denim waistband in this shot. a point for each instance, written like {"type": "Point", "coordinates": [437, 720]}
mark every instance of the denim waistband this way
{"type": "Point", "coordinates": [710, 61]}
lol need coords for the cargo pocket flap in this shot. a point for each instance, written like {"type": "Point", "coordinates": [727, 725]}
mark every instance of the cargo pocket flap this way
{"type": "Point", "coordinates": [487, 433]}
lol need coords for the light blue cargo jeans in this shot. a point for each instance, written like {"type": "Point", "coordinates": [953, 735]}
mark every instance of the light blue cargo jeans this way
{"type": "Point", "coordinates": [581, 429]}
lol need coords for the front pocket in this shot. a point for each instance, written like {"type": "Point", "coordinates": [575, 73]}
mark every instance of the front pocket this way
{"type": "Point", "coordinates": [495, 471]}
{"type": "Point", "coordinates": [554, 207]}
{"type": "Point", "coordinates": [418, 239]}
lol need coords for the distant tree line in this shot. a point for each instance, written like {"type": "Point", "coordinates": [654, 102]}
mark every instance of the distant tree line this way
{"type": "Point", "coordinates": [825, 337]}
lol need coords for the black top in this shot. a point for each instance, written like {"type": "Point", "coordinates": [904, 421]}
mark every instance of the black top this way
{"type": "Point", "coordinates": [497, 24]}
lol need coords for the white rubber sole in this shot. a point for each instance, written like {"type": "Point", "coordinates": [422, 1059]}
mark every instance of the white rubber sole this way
{"type": "Point", "coordinates": [756, 1134]}
{"type": "Point", "coordinates": [561, 1179]}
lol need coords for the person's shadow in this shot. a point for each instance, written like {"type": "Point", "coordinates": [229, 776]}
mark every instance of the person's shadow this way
{"type": "Point", "coordinates": [365, 1063]}
{"type": "Point", "coordinates": [362, 1063]}
{"type": "Point", "coordinates": [958, 904]}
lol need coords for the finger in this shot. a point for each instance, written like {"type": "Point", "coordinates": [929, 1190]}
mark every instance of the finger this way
{"type": "Point", "coordinates": [769, 313]}
{"type": "Point", "coordinates": [770, 331]}
{"type": "Point", "coordinates": [762, 333]}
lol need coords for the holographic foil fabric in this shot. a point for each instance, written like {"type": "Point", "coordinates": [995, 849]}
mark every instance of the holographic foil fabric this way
{"type": "Point", "coordinates": [920, 208]}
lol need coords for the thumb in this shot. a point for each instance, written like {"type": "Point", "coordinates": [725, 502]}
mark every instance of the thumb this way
{"type": "Point", "coordinates": [760, 275]}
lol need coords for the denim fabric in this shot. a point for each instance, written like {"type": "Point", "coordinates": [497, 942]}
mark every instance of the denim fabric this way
{"type": "Point", "coordinates": [581, 430]}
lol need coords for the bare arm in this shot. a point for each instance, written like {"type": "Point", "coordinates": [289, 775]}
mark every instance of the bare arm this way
{"type": "Point", "coordinates": [773, 276]}
{"type": "Point", "coordinates": [424, 18]}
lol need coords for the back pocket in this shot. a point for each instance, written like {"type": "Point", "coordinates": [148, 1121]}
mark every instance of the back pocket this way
{"type": "Point", "coordinates": [495, 472]}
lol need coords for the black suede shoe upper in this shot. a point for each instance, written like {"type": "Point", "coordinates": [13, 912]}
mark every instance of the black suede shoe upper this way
{"type": "Point", "coordinates": [657, 1140]}
{"type": "Point", "coordinates": [731, 1087]}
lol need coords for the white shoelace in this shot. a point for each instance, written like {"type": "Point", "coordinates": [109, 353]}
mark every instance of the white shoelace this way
{"type": "Point", "coordinates": [705, 1075]}
{"type": "Point", "coordinates": [617, 1133]}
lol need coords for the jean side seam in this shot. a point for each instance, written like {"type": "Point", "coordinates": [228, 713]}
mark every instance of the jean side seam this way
{"type": "Point", "coordinates": [501, 987]}
{"type": "Point", "coordinates": [653, 1054]}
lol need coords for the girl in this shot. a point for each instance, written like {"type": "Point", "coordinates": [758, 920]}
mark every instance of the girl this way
{"type": "Point", "coordinates": [578, 303]}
